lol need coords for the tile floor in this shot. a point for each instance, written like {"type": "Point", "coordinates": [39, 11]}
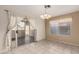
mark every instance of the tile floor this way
{"type": "Point", "coordinates": [45, 47]}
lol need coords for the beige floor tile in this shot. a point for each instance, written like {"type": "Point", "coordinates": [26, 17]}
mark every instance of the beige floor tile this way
{"type": "Point", "coordinates": [45, 47]}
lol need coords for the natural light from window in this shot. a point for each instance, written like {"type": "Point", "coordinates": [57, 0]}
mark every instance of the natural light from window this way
{"type": "Point", "coordinates": [61, 26]}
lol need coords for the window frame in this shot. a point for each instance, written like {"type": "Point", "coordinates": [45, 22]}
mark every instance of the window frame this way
{"type": "Point", "coordinates": [59, 33]}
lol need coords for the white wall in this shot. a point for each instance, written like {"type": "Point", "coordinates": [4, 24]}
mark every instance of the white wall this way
{"type": "Point", "coordinates": [40, 26]}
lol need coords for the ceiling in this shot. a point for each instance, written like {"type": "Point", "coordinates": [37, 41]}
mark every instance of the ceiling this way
{"type": "Point", "coordinates": [34, 11]}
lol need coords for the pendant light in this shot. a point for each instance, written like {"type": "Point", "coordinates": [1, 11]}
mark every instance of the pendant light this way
{"type": "Point", "coordinates": [46, 15]}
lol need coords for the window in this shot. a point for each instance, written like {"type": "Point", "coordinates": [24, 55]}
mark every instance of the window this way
{"type": "Point", "coordinates": [61, 26]}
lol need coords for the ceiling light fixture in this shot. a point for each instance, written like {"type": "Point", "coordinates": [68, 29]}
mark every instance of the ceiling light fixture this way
{"type": "Point", "coordinates": [46, 16]}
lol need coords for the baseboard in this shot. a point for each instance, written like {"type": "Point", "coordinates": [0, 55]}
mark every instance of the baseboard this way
{"type": "Point", "coordinates": [69, 43]}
